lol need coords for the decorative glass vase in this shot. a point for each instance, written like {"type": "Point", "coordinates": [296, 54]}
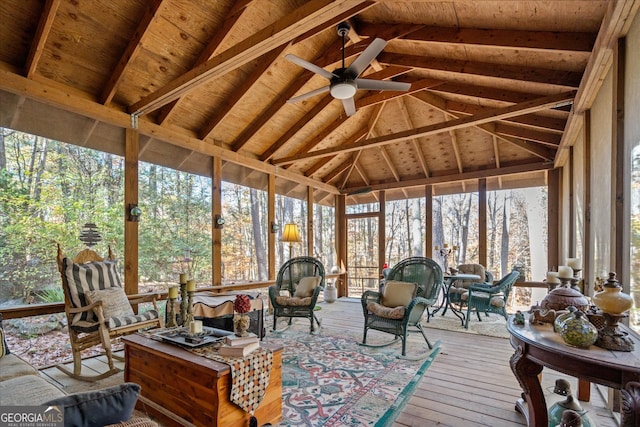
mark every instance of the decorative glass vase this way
{"type": "Point", "coordinates": [241, 323]}
{"type": "Point", "coordinates": [577, 331]}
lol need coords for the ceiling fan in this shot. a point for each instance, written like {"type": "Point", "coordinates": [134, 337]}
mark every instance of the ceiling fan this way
{"type": "Point", "coordinates": [345, 81]}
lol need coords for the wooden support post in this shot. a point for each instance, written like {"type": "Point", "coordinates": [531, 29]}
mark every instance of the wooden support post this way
{"type": "Point", "coordinates": [271, 218]}
{"type": "Point", "coordinates": [132, 141]}
{"type": "Point", "coordinates": [620, 187]}
{"type": "Point", "coordinates": [216, 210]}
{"type": "Point", "coordinates": [553, 185]}
{"type": "Point", "coordinates": [482, 221]}
{"type": "Point", "coordinates": [587, 246]}
{"type": "Point", "coordinates": [571, 250]}
{"type": "Point", "coordinates": [341, 241]}
{"type": "Point", "coordinates": [428, 213]}
{"type": "Point", "coordinates": [310, 229]}
{"type": "Point", "coordinates": [382, 229]}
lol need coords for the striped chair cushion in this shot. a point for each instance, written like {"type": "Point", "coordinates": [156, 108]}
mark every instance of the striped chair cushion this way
{"type": "Point", "coordinates": [115, 322]}
{"type": "Point", "coordinates": [87, 277]}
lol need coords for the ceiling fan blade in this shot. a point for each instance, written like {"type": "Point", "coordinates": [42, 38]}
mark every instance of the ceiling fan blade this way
{"type": "Point", "coordinates": [368, 84]}
{"type": "Point", "coordinates": [309, 94]}
{"type": "Point", "coordinates": [309, 66]}
{"type": "Point", "coordinates": [349, 106]}
{"type": "Point", "coordinates": [362, 62]}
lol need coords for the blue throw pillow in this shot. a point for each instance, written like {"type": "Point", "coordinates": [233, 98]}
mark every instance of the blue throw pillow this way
{"type": "Point", "coordinates": [98, 408]}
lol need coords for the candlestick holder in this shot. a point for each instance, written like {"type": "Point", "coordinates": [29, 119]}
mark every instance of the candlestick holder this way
{"type": "Point", "coordinates": [576, 281]}
{"type": "Point", "coordinates": [189, 316]}
{"type": "Point", "coordinates": [183, 304]}
{"type": "Point", "coordinates": [444, 253]}
{"type": "Point", "coordinates": [564, 281]}
{"type": "Point", "coordinates": [171, 321]}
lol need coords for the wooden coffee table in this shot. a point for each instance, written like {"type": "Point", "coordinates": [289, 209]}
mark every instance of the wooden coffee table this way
{"type": "Point", "coordinates": [181, 388]}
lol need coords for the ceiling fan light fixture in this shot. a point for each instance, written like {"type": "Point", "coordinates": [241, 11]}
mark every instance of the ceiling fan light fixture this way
{"type": "Point", "coordinates": [343, 90]}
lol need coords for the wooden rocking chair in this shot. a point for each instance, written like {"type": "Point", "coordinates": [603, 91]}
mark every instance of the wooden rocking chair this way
{"type": "Point", "coordinates": [97, 308]}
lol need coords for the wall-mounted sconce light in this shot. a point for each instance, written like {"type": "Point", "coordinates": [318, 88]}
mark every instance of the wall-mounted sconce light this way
{"type": "Point", "coordinates": [134, 212]}
{"type": "Point", "coordinates": [219, 221]}
{"type": "Point", "coordinates": [275, 227]}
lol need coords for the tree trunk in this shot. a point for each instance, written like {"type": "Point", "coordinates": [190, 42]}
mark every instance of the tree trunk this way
{"type": "Point", "coordinates": [438, 228]}
{"type": "Point", "coordinates": [416, 228]}
{"type": "Point", "coordinates": [3, 152]}
{"type": "Point", "coordinates": [261, 255]}
{"type": "Point", "coordinates": [466, 213]}
{"type": "Point", "coordinates": [37, 183]}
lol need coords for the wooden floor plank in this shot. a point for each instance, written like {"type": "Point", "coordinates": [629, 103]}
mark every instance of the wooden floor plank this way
{"type": "Point", "coordinates": [468, 384]}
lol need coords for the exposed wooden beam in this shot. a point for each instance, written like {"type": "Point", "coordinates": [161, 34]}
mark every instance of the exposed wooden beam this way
{"type": "Point", "coordinates": [132, 49]}
{"type": "Point", "coordinates": [229, 23]}
{"type": "Point", "coordinates": [383, 96]}
{"type": "Point", "coordinates": [225, 108]}
{"type": "Point", "coordinates": [484, 92]}
{"type": "Point", "coordinates": [359, 134]}
{"type": "Point", "coordinates": [505, 170]}
{"type": "Point", "coordinates": [283, 31]}
{"type": "Point", "coordinates": [456, 151]}
{"type": "Point", "coordinates": [345, 179]}
{"type": "Point", "coordinates": [563, 79]}
{"type": "Point", "coordinates": [317, 166]}
{"type": "Point", "coordinates": [440, 104]}
{"type": "Point", "coordinates": [82, 104]}
{"type": "Point", "coordinates": [546, 138]}
{"type": "Point", "coordinates": [337, 170]}
{"type": "Point", "coordinates": [540, 41]}
{"type": "Point", "coordinates": [486, 117]}
{"type": "Point", "coordinates": [40, 38]}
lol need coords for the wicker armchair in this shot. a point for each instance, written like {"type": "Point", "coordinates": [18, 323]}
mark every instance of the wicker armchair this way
{"type": "Point", "coordinates": [460, 287]}
{"type": "Point", "coordinates": [423, 271]}
{"type": "Point", "coordinates": [402, 303]}
{"type": "Point", "coordinates": [486, 298]}
{"type": "Point", "coordinates": [296, 291]}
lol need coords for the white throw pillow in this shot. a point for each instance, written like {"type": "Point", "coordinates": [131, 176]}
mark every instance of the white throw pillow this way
{"type": "Point", "coordinates": [306, 286]}
{"type": "Point", "coordinates": [397, 294]}
{"type": "Point", "coordinates": [114, 302]}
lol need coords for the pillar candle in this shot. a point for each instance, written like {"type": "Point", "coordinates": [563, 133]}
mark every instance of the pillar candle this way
{"type": "Point", "coordinates": [191, 285]}
{"type": "Point", "coordinates": [552, 277]}
{"type": "Point", "coordinates": [565, 272]}
{"type": "Point", "coordinates": [195, 326]}
{"type": "Point", "coordinates": [574, 263]}
{"type": "Point", "coordinates": [173, 292]}
{"type": "Point", "coordinates": [183, 278]}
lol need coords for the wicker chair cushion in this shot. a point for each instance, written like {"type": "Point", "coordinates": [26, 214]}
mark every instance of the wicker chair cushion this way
{"type": "Point", "coordinates": [135, 422]}
{"type": "Point", "coordinates": [496, 300]}
{"type": "Point", "coordinates": [398, 294]}
{"type": "Point", "coordinates": [386, 312]}
{"type": "Point", "coordinates": [293, 301]}
{"type": "Point", "coordinates": [306, 286]}
{"type": "Point", "coordinates": [477, 269]}
{"type": "Point", "coordinates": [82, 278]}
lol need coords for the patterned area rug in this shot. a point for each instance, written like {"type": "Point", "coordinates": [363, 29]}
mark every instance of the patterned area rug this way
{"type": "Point", "coordinates": [494, 325]}
{"type": "Point", "coordinates": [333, 381]}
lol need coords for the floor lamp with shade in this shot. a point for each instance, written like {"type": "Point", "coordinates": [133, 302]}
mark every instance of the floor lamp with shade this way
{"type": "Point", "coordinates": [291, 235]}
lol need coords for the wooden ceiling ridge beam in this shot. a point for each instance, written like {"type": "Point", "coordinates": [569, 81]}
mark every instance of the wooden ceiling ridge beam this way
{"type": "Point", "coordinates": [80, 103]}
{"type": "Point", "coordinates": [233, 16]}
{"type": "Point", "coordinates": [223, 110]}
{"type": "Point", "coordinates": [290, 133]}
{"type": "Point", "coordinates": [542, 41]}
{"type": "Point", "coordinates": [133, 48]}
{"type": "Point", "coordinates": [40, 37]}
{"type": "Point", "coordinates": [526, 107]}
{"type": "Point", "coordinates": [471, 175]}
{"type": "Point", "coordinates": [442, 105]}
{"type": "Point", "coordinates": [294, 24]}
{"type": "Point", "coordinates": [560, 78]}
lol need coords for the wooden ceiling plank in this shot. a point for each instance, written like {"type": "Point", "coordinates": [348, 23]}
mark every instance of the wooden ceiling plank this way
{"type": "Point", "coordinates": [560, 78]}
{"type": "Point", "coordinates": [266, 155]}
{"type": "Point", "coordinates": [223, 110]}
{"type": "Point", "coordinates": [456, 150]}
{"type": "Point", "coordinates": [83, 104]}
{"type": "Point", "coordinates": [441, 104]}
{"type": "Point", "coordinates": [526, 107]}
{"type": "Point", "coordinates": [368, 131]}
{"type": "Point", "coordinates": [487, 173]}
{"type": "Point", "coordinates": [387, 159]}
{"type": "Point", "coordinates": [229, 23]}
{"type": "Point", "coordinates": [363, 175]}
{"type": "Point", "coordinates": [40, 38]}
{"type": "Point", "coordinates": [347, 175]}
{"type": "Point", "coordinates": [545, 138]}
{"type": "Point", "coordinates": [496, 151]}
{"type": "Point", "coordinates": [540, 41]}
{"type": "Point", "coordinates": [283, 31]}
{"type": "Point", "coordinates": [484, 92]}
{"type": "Point", "coordinates": [414, 142]}
{"type": "Point", "coordinates": [317, 166]}
{"type": "Point", "coordinates": [132, 49]}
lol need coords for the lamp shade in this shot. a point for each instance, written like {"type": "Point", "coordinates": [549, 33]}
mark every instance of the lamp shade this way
{"type": "Point", "coordinates": [291, 233]}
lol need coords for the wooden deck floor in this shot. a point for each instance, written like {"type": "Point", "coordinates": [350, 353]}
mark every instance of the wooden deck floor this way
{"type": "Point", "coordinates": [469, 383]}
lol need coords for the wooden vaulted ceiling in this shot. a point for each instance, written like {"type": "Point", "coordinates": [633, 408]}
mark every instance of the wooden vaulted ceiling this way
{"type": "Point", "coordinates": [497, 87]}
